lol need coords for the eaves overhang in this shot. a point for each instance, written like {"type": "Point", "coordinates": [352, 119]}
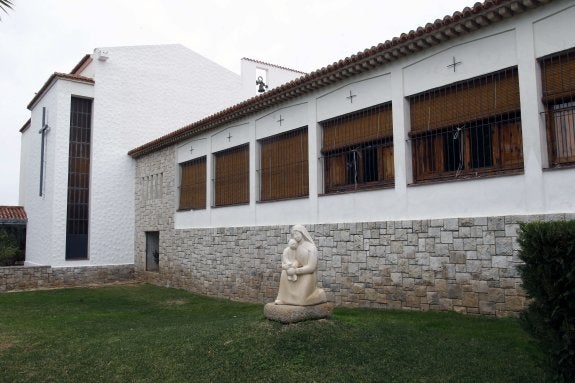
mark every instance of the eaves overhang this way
{"type": "Point", "coordinates": [469, 20]}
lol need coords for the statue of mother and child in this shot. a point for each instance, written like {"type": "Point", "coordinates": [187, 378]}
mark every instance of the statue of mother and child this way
{"type": "Point", "coordinates": [298, 297]}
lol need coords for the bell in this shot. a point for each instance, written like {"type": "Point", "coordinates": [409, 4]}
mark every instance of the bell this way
{"type": "Point", "coordinates": [261, 84]}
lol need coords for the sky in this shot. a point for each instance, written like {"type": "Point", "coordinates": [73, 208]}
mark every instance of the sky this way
{"type": "Point", "coordinates": [40, 37]}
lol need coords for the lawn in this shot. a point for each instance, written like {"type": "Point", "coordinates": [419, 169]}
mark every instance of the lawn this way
{"type": "Point", "coordinates": [144, 333]}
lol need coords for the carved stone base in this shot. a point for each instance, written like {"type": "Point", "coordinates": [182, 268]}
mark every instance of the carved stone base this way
{"type": "Point", "coordinates": [292, 314]}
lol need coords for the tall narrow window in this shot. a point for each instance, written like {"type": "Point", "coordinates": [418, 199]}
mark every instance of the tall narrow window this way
{"type": "Point", "coordinates": [357, 150]}
{"type": "Point", "coordinates": [467, 129]}
{"type": "Point", "coordinates": [284, 166]}
{"type": "Point", "coordinates": [193, 184]}
{"type": "Point", "coordinates": [232, 176]}
{"type": "Point", "coordinates": [558, 76]}
{"type": "Point", "coordinates": [78, 179]}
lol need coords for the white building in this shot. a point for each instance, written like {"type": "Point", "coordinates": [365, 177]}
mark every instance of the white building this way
{"type": "Point", "coordinates": [76, 180]}
{"type": "Point", "coordinates": [412, 162]}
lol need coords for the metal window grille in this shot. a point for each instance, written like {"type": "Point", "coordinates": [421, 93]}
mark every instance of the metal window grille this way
{"type": "Point", "coordinates": [78, 179]}
{"type": "Point", "coordinates": [232, 176]}
{"type": "Point", "coordinates": [193, 184]}
{"type": "Point", "coordinates": [357, 150]}
{"type": "Point", "coordinates": [467, 129]}
{"type": "Point", "coordinates": [284, 169]}
{"type": "Point", "coordinates": [558, 83]}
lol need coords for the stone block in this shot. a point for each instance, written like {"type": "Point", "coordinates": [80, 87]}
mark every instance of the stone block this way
{"type": "Point", "coordinates": [451, 224]}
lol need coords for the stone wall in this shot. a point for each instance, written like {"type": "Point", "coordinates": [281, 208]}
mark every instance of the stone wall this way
{"type": "Point", "coordinates": [468, 265]}
{"type": "Point", "coordinates": [38, 277]}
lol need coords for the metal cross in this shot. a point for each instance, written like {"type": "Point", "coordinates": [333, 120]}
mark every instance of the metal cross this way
{"type": "Point", "coordinates": [191, 149]}
{"type": "Point", "coordinates": [42, 131]}
{"type": "Point", "coordinates": [280, 120]}
{"type": "Point", "coordinates": [351, 96]}
{"type": "Point", "coordinates": [455, 63]}
{"type": "Point", "coordinates": [229, 136]}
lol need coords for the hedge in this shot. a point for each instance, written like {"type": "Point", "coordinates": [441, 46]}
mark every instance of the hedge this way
{"type": "Point", "coordinates": [548, 273]}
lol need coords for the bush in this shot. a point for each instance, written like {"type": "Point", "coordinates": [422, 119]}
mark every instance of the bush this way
{"type": "Point", "coordinates": [548, 250]}
{"type": "Point", "coordinates": [9, 250]}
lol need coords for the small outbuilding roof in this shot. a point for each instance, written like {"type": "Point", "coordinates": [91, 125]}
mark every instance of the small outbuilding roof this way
{"type": "Point", "coordinates": [15, 215]}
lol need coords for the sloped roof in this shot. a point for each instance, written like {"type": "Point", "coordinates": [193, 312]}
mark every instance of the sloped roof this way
{"type": "Point", "coordinates": [26, 125]}
{"type": "Point", "coordinates": [58, 76]}
{"type": "Point", "coordinates": [479, 16]}
{"type": "Point", "coordinates": [13, 215]}
{"type": "Point", "coordinates": [268, 64]}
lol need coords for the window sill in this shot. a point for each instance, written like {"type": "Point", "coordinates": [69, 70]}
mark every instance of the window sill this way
{"type": "Point", "coordinates": [230, 204]}
{"type": "Point", "coordinates": [190, 209]}
{"type": "Point", "coordinates": [364, 188]}
{"type": "Point", "coordinates": [283, 199]}
{"type": "Point", "coordinates": [468, 177]}
{"type": "Point", "coordinates": [559, 167]}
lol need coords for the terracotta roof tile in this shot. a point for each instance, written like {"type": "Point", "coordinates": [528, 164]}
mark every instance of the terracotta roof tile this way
{"type": "Point", "coordinates": [87, 59]}
{"type": "Point", "coordinates": [12, 214]}
{"type": "Point", "coordinates": [58, 76]}
{"type": "Point", "coordinates": [26, 125]}
{"type": "Point", "coordinates": [438, 32]}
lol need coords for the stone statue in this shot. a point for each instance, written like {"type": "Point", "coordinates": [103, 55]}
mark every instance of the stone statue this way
{"type": "Point", "coordinates": [298, 297]}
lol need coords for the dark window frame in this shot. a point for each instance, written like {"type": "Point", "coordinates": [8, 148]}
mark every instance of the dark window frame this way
{"type": "Point", "coordinates": [357, 150]}
{"type": "Point", "coordinates": [232, 176]}
{"type": "Point", "coordinates": [558, 91]}
{"type": "Point", "coordinates": [467, 129]}
{"type": "Point", "coordinates": [284, 166]}
{"type": "Point", "coordinates": [193, 182]}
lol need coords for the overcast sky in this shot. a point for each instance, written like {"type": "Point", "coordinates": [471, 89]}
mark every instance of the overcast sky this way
{"type": "Point", "coordinates": [40, 37]}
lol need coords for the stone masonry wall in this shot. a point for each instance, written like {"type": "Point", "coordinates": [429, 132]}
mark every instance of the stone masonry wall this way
{"type": "Point", "coordinates": [467, 265]}
{"type": "Point", "coordinates": [38, 277]}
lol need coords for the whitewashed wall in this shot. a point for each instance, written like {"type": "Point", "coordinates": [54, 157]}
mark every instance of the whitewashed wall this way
{"type": "Point", "coordinates": [515, 42]}
{"type": "Point", "coordinates": [46, 229]}
{"type": "Point", "coordinates": [140, 93]}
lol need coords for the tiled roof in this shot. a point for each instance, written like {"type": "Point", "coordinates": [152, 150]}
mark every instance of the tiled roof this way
{"type": "Point", "coordinates": [87, 59]}
{"type": "Point", "coordinates": [268, 64]}
{"type": "Point", "coordinates": [26, 125]}
{"type": "Point", "coordinates": [442, 30]}
{"type": "Point", "coordinates": [58, 76]}
{"type": "Point", "coordinates": [12, 214]}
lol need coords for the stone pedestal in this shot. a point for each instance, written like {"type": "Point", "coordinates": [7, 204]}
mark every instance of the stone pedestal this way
{"type": "Point", "coordinates": [292, 314]}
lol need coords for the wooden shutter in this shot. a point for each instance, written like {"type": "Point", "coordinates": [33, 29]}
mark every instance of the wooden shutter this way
{"type": "Point", "coordinates": [475, 99]}
{"type": "Point", "coordinates": [385, 163]}
{"type": "Point", "coordinates": [193, 184]}
{"type": "Point", "coordinates": [232, 176]}
{"type": "Point", "coordinates": [558, 77]}
{"type": "Point", "coordinates": [366, 126]}
{"type": "Point", "coordinates": [284, 166]}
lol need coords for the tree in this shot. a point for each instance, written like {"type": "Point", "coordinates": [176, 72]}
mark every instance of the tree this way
{"type": "Point", "coordinates": [5, 5]}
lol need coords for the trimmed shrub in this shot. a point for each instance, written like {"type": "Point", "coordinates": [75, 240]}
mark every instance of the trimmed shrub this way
{"type": "Point", "coordinates": [9, 250]}
{"type": "Point", "coordinates": [548, 250]}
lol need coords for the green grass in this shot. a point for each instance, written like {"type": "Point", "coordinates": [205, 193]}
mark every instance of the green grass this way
{"type": "Point", "coordinates": [143, 333]}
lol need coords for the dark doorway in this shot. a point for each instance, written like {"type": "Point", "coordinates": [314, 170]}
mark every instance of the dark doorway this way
{"type": "Point", "coordinates": [153, 251]}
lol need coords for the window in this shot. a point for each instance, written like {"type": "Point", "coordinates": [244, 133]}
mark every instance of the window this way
{"type": "Point", "coordinates": [467, 129]}
{"type": "Point", "coordinates": [232, 176]}
{"type": "Point", "coordinates": [193, 184]}
{"type": "Point", "coordinates": [284, 166]}
{"type": "Point", "coordinates": [78, 179]}
{"type": "Point", "coordinates": [558, 77]}
{"type": "Point", "coordinates": [357, 150]}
